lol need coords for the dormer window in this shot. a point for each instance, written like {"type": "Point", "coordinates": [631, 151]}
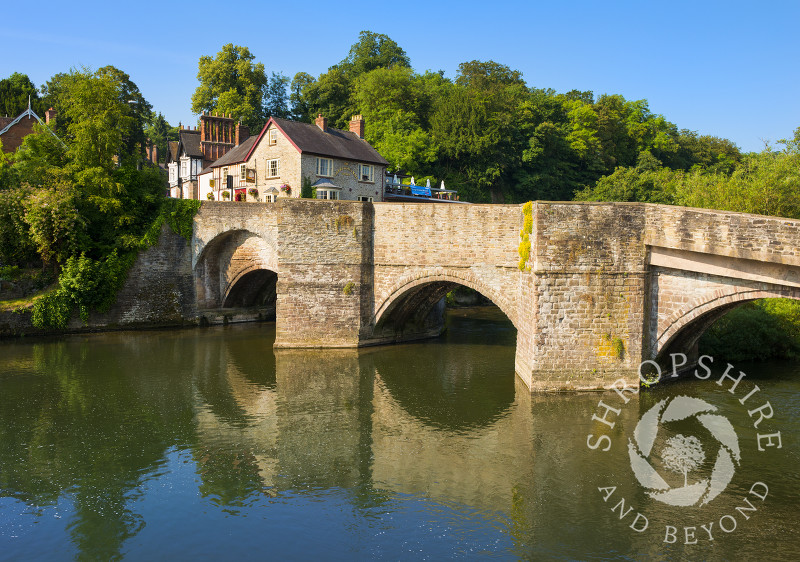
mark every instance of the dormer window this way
{"type": "Point", "coordinates": [273, 136]}
{"type": "Point", "coordinates": [184, 168]}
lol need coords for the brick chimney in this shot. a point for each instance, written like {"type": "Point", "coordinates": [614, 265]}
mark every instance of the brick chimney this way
{"type": "Point", "coordinates": [321, 122]}
{"type": "Point", "coordinates": [357, 125]}
{"type": "Point", "coordinates": [50, 117]}
{"type": "Point", "coordinates": [242, 133]}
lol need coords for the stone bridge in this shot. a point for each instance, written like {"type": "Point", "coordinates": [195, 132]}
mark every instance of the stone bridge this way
{"type": "Point", "coordinates": [606, 285]}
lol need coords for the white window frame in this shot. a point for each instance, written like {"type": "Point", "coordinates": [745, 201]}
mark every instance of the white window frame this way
{"type": "Point", "coordinates": [273, 137]}
{"type": "Point", "coordinates": [271, 197]}
{"type": "Point", "coordinates": [224, 175]}
{"type": "Point", "coordinates": [321, 168]}
{"type": "Point", "coordinates": [242, 172]}
{"type": "Point", "coordinates": [276, 164]}
{"type": "Point", "coordinates": [370, 175]}
{"type": "Point", "coordinates": [328, 194]}
{"type": "Point", "coordinates": [184, 168]}
{"type": "Point", "coordinates": [365, 198]}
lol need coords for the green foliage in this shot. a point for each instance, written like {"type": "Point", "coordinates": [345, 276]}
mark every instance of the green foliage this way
{"type": "Point", "coordinates": [524, 249]}
{"type": "Point", "coordinates": [767, 183]}
{"type": "Point", "coordinates": [306, 191]}
{"type": "Point", "coordinates": [14, 94]}
{"type": "Point", "coordinates": [759, 330]}
{"type": "Point", "coordinates": [179, 216]}
{"type": "Point", "coordinates": [332, 94]}
{"type": "Point", "coordinates": [348, 289]}
{"type": "Point", "coordinates": [232, 82]}
{"type": "Point", "coordinates": [16, 245]}
{"type": "Point", "coordinates": [396, 104]}
{"type": "Point", "coordinates": [618, 347]}
{"type": "Point", "coordinates": [276, 97]}
{"type": "Point", "coordinates": [55, 225]}
{"type": "Point", "coordinates": [84, 284]}
{"type": "Point", "coordinates": [9, 272]}
{"type": "Point", "coordinates": [52, 310]}
{"type": "Point", "coordinates": [371, 51]}
{"type": "Point", "coordinates": [160, 132]}
{"type": "Point", "coordinates": [298, 96]}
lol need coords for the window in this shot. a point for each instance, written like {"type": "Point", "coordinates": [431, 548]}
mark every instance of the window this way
{"type": "Point", "coordinates": [327, 194]}
{"type": "Point", "coordinates": [184, 168]}
{"type": "Point", "coordinates": [365, 172]}
{"type": "Point", "coordinates": [273, 168]}
{"type": "Point", "coordinates": [271, 197]}
{"type": "Point", "coordinates": [325, 167]}
{"type": "Point", "coordinates": [273, 137]}
{"type": "Point", "coordinates": [242, 172]}
{"type": "Point", "coordinates": [365, 199]}
{"type": "Point", "coordinates": [224, 174]}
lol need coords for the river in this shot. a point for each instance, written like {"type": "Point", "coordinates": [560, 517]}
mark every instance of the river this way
{"type": "Point", "coordinates": [207, 444]}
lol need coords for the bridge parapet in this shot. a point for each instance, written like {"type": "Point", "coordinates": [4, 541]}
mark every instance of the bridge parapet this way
{"type": "Point", "coordinates": [724, 233]}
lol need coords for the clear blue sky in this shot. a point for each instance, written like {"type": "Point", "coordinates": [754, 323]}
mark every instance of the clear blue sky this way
{"type": "Point", "coordinates": [729, 69]}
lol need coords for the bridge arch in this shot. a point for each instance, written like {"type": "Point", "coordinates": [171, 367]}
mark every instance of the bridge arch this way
{"type": "Point", "coordinates": [413, 297]}
{"type": "Point", "coordinates": [684, 328]}
{"type": "Point", "coordinates": [233, 269]}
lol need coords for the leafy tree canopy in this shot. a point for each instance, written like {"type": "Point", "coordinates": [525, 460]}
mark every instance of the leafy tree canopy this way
{"type": "Point", "coordinates": [371, 51]}
{"type": "Point", "coordinates": [14, 94]}
{"type": "Point", "coordinates": [231, 82]}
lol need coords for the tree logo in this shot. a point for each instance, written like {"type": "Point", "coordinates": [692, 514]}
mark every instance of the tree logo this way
{"type": "Point", "coordinates": [682, 454]}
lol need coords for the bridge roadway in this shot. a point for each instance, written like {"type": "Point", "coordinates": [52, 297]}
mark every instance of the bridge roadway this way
{"type": "Point", "coordinates": [606, 285]}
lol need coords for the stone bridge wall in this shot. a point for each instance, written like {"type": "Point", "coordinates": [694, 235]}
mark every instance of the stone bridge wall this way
{"type": "Point", "coordinates": [608, 285]}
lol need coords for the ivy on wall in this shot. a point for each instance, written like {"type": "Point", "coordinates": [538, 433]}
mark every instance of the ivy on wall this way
{"type": "Point", "coordinates": [525, 236]}
{"type": "Point", "coordinates": [88, 285]}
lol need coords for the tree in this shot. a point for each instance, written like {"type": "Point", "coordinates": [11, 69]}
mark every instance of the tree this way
{"type": "Point", "coordinates": [479, 131]}
{"type": "Point", "coordinates": [394, 103]}
{"type": "Point", "coordinates": [16, 245]}
{"type": "Point", "coordinates": [277, 101]}
{"type": "Point", "coordinates": [330, 96]}
{"type": "Point", "coordinates": [371, 51]}
{"type": "Point", "coordinates": [52, 216]}
{"type": "Point", "coordinates": [15, 91]}
{"type": "Point", "coordinates": [683, 454]}
{"type": "Point", "coordinates": [332, 93]}
{"type": "Point", "coordinates": [101, 116]}
{"type": "Point", "coordinates": [297, 97]}
{"type": "Point", "coordinates": [160, 132]}
{"type": "Point", "coordinates": [232, 82]}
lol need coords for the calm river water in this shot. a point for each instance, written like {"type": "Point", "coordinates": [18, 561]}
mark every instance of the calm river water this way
{"type": "Point", "coordinates": [205, 444]}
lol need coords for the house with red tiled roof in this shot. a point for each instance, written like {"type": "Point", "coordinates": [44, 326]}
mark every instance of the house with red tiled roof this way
{"type": "Point", "coordinates": [338, 164]}
{"type": "Point", "coordinates": [14, 129]}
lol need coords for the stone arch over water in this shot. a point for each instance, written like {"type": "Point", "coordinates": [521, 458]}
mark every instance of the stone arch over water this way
{"type": "Point", "coordinates": [236, 268]}
{"type": "Point", "coordinates": [684, 328]}
{"type": "Point", "coordinates": [412, 308]}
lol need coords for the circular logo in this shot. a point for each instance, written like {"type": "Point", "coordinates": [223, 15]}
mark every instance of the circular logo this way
{"type": "Point", "coordinates": [683, 454]}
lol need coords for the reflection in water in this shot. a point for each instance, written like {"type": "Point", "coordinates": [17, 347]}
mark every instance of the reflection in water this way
{"type": "Point", "coordinates": [206, 443]}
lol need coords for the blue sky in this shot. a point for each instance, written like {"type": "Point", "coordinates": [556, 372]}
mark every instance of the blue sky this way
{"type": "Point", "coordinates": [729, 69]}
